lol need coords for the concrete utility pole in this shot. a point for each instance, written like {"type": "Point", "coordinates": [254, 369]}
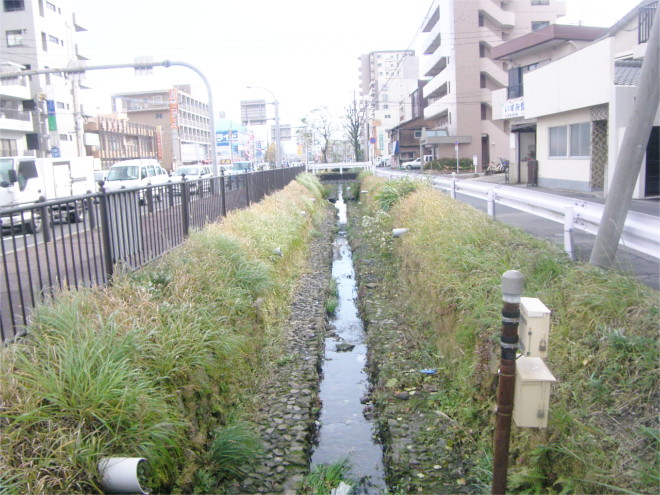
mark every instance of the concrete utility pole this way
{"type": "Point", "coordinates": [629, 161]}
{"type": "Point", "coordinates": [79, 69]}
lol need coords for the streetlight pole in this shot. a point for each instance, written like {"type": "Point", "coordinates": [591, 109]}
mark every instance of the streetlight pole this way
{"type": "Point", "coordinates": [138, 65]}
{"type": "Point", "coordinates": [278, 139]}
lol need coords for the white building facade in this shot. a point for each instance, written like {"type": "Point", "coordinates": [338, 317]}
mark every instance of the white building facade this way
{"type": "Point", "coordinates": [458, 38]}
{"type": "Point", "coordinates": [581, 120]}
{"type": "Point", "coordinates": [39, 34]}
{"type": "Point", "coordinates": [386, 79]}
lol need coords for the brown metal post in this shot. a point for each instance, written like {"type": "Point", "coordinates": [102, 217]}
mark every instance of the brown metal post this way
{"type": "Point", "coordinates": [512, 285]}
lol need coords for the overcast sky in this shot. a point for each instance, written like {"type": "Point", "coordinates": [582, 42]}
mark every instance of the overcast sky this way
{"type": "Point", "coordinates": [304, 51]}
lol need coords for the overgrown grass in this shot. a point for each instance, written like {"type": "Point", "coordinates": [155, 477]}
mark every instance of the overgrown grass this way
{"type": "Point", "coordinates": [325, 477]}
{"type": "Point", "coordinates": [165, 364]}
{"type": "Point", "coordinates": [332, 300]}
{"type": "Point", "coordinates": [602, 433]}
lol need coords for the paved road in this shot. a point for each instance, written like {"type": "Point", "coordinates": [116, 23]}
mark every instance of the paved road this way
{"type": "Point", "coordinates": [645, 268]}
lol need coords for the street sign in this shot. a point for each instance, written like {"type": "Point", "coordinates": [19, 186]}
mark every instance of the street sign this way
{"type": "Point", "coordinates": [372, 140]}
{"type": "Point", "coordinates": [253, 112]}
{"type": "Point", "coordinates": [55, 152]}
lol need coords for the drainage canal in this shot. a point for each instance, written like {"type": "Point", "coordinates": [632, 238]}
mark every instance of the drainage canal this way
{"type": "Point", "coordinates": [344, 432]}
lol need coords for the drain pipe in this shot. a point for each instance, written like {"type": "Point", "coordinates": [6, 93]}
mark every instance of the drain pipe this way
{"type": "Point", "coordinates": [120, 475]}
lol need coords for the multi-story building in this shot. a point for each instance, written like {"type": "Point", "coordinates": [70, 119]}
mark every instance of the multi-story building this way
{"type": "Point", "coordinates": [185, 121]}
{"type": "Point", "coordinates": [39, 34]}
{"type": "Point", "coordinates": [523, 55]}
{"type": "Point", "coordinates": [386, 77]}
{"type": "Point", "coordinates": [580, 122]}
{"type": "Point", "coordinates": [113, 138]}
{"type": "Point", "coordinates": [458, 38]}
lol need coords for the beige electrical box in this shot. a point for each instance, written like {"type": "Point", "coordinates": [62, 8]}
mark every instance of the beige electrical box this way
{"type": "Point", "coordinates": [534, 327]}
{"type": "Point", "coordinates": [531, 399]}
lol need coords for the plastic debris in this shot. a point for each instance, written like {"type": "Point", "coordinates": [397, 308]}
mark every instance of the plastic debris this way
{"type": "Point", "coordinates": [429, 371]}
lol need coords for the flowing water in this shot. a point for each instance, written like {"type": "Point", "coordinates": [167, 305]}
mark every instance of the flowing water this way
{"type": "Point", "coordinates": [344, 432]}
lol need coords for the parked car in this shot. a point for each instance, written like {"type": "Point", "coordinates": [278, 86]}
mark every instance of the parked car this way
{"type": "Point", "coordinates": [416, 163]}
{"type": "Point", "coordinates": [136, 173]}
{"type": "Point", "coordinates": [195, 174]}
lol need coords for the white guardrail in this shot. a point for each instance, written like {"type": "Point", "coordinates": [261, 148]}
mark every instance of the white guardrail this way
{"type": "Point", "coordinates": [641, 232]}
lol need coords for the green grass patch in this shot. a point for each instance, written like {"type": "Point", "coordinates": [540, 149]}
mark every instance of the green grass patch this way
{"type": "Point", "coordinates": [445, 277]}
{"type": "Point", "coordinates": [165, 364]}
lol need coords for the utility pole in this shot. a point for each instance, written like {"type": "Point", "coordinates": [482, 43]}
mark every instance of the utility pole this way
{"type": "Point", "coordinates": [629, 161]}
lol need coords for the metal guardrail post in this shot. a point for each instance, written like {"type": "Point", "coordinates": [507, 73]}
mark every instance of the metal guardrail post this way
{"type": "Point", "coordinates": [105, 233]}
{"type": "Point", "coordinates": [569, 238]}
{"type": "Point", "coordinates": [452, 189]}
{"type": "Point", "coordinates": [512, 286]}
{"type": "Point", "coordinates": [491, 203]}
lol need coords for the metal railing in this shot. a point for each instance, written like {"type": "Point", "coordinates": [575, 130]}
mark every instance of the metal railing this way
{"type": "Point", "coordinates": [58, 245]}
{"type": "Point", "coordinates": [641, 232]}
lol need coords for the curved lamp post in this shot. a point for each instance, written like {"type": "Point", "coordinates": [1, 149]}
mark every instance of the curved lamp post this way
{"type": "Point", "coordinates": [278, 142]}
{"type": "Point", "coordinates": [138, 65]}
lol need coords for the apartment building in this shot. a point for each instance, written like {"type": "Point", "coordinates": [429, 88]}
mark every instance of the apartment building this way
{"type": "Point", "coordinates": [458, 37]}
{"type": "Point", "coordinates": [184, 120]}
{"type": "Point", "coordinates": [39, 34]}
{"type": "Point", "coordinates": [112, 138]}
{"type": "Point", "coordinates": [386, 78]}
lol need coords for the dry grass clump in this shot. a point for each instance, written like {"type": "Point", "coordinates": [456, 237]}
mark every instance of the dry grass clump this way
{"type": "Point", "coordinates": [602, 433]}
{"type": "Point", "coordinates": [157, 364]}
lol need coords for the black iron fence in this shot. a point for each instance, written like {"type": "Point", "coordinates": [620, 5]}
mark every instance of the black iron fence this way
{"type": "Point", "coordinates": [79, 242]}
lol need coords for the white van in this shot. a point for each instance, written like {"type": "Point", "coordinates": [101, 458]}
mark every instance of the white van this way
{"type": "Point", "coordinates": [139, 172]}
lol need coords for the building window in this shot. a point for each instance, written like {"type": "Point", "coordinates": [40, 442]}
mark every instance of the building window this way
{"type": "Point", "coordinates": [557, 143]}
{"type": "Point", "coordinates": [60, 105]}
{"type": "Point", "coordinates": [15, 37]}
{"type": "Point", "coordinates": [536, 25]}
{"type": "Point", "coordinates": [581, 139]}
{"type": "Point", "coordinates": [14, 5]}
{"type": "Point", "coordinates": [484, 112]}
{"type": "Point", "coordinates": [417, 134]}
{"type": "Point", "coordinates": [573, 140]}
{"type": "Point", "coordinates": [51, 6]}
{"type": "Point", "coordinates": [540, 2]}
{"type": "Point", "coordinates": [53, 39]}
{"type": "Point", "coordinates": [44, 41]}
{"type": "Point", "coordinates": [8, 147]}
{"type": "Point", "coordinates": [482, 81]}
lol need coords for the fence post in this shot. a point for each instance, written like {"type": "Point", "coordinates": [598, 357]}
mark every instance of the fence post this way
{"type": "Point", "coordinates": [223, 196]}
{"type": "Point", "coordinates": [512, 286]}
{"type": "Point", "coordinates": [569, 239]}
{"type": "Point", "coordinates": [91, 212]}
{"type": "Point", "coordinates": [105, 233]}
{"type": "Point", "coordinates": [185, 198]}
{"type": "Point", "coordinates": [452, 189]}
{"type": "Point", "coordinates": [491, 203]}
{"type": "Point", "coordinates": [247, 188]}
{"type": "Point", "coordinates": [45, 221]}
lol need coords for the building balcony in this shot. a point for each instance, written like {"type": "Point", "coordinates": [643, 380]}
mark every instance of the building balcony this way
{"type": "Point", "coordinates": [435, 88]}
{"type": "Point", "coordinates": [492, 10]}
{"type": "Point", "coordinates": [431, 42]}
{"type": "Point", "coordinates": [493, 71]}
{"type": "Point", "coordinates": [434, 110]}
{"type": "Point", "coordinates": [436, 63]}
{"type": "Point", "coordinates": [431, 20]}
{"type": "Point", "coordinates": [79, 23]}
{"type": "Point", "coordinates": [16, 88]}
{"type": "Point", "coordinates": [490, 37]}
{"type": "Point", "coordinates": [15, 120]}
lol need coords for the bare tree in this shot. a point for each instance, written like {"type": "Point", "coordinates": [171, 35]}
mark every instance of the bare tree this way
{"type": "Point", "coordinates": [322, 125]}
{"type": "Point", "coordinates": [353, 122]}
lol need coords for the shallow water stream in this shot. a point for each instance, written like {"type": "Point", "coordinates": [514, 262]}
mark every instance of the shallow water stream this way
{"type": "Point", "coordinates": [344, 432]}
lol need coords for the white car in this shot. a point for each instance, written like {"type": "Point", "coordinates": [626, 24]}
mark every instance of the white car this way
{"type": "Point", "coordinates": [195, 174]}
{"type": "Point", "coordinates": [134, 173]}
{"type": "Point", "coordinates": [416, 163]}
